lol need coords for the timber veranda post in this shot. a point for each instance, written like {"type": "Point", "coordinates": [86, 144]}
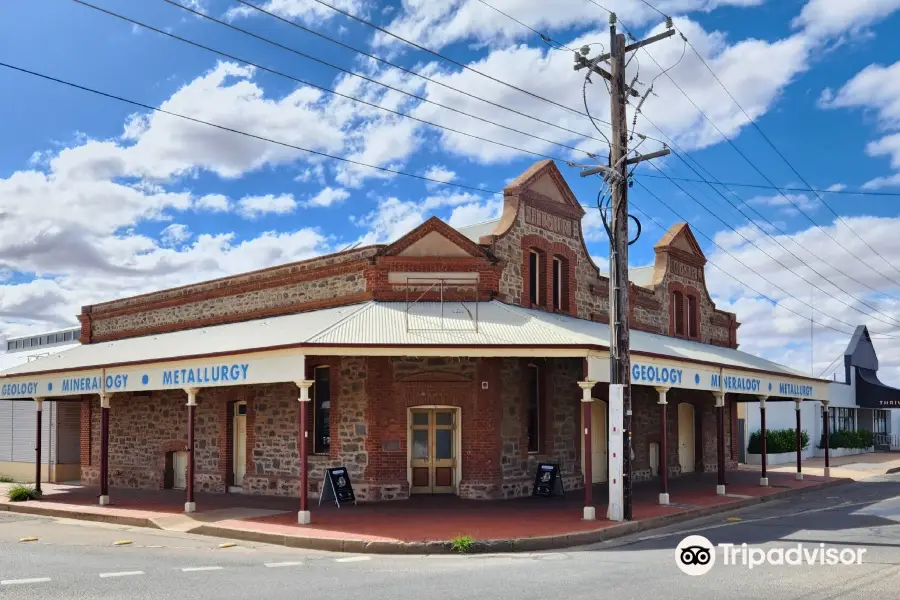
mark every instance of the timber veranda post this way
{"type": "Point", "coordinates": [620, 368]}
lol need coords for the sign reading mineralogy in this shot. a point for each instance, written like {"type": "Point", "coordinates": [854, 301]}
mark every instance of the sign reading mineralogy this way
{"type": "Point", "coordinates": [544, 220]}
{"type": "Point", "coordinates": [337, 487]}
{"type": "Point", "coordinates": [548, 481]}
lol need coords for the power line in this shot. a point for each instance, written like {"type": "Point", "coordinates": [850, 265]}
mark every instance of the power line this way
{"type": "Point", "coordinates": [805, 317]}
{"type": "Point", "coordinates": [775, 148]}
{"type": "Point", "coordinates": [683, 156]}
{"type": "Point", "coordinates": [783, 189]}
{"type": "Point", "coordinates": [680, 156]}
{"type": "Point", "coordinates": [401, 68]}
{"type": "Point", "coordinates": [319, 87]}
{"type": "Point", "coordinates": [763, 231]}
{"type": "Point", "coordinates": [244, 133]}
{"type": "Point", "coordinates": [448, 59]}
{"type": "Point", "coordinates": [758, 170]}
{"type": "Point", "coordinates": [352, 73]}
{"type": "Point", "coordinates": [748, 240]}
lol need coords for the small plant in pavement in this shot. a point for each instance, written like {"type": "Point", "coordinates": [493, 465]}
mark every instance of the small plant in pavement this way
{"type": "Point", "coordinates": [5, 479]}
{"type": "Point", "coordinates": [462, 544]}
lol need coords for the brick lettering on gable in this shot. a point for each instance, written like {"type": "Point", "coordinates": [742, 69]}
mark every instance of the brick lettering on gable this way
{"type": "Point", "coordinates": [553, 223]}
{"type": "Point", "coordinates": [686, 271]}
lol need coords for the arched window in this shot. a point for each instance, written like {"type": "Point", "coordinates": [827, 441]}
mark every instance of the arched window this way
{"type": "Point", "coordinates": [560, 284]}
{"type": "Point", "coordinates": [678, 312]}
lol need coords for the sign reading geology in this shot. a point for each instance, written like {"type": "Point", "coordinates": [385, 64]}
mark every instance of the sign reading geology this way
{"type": "Point", "coordinates": [656, 374]}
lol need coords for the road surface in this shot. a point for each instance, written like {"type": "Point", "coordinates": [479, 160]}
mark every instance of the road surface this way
{"type": "Point", "coordinates": [74, 560]}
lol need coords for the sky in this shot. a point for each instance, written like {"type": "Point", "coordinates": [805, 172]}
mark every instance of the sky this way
{"type": "Point", "coordinates": [101, 199]}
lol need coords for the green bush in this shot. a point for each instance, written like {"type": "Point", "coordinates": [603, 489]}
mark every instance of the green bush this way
{"type": "Point", "coordinates": [845, 438]}
{"type": "Point", "coordinates": [777, 441]}
{"type": "Point", "coordinates": [5, 479]}
{"type": "Point", "coordinates": [22, 493]}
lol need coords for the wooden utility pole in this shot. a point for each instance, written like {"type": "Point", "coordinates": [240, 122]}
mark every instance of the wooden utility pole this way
{"type": "Point", "coordinates": [617, 174]}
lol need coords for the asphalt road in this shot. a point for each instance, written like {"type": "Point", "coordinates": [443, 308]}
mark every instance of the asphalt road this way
{"type": "Point", "coordinates": [73, 560]}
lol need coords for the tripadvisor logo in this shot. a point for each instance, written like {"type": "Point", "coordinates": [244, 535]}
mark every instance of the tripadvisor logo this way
{"type": "Point", "coordinates": [696, 555]}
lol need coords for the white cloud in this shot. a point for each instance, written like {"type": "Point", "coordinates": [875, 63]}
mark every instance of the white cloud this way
{"type": "Point", "coordinates": [877, 89]}
{"type": "Point", "coordinates": [438, 173]}
{"type": "Point", "coordinates": [791, 204]}
{"type": "Point", "coordinates": [825, 18]}
{"type": "Point", "coordinates": [304, 10]}
{"type": "Point", "coordinates": [391, 220]}
{"type": "Point", "coordinates": [836, 187]}
{"type": "Point", "coordinates": [253, 207]}
{"type": "Point", "coordinates": [175, 234]}
{"type": "Point", "coordinates": [783, 336]}
{"type": "Point", "coordinates": [328, 196]}
{"type": "Point", "coordinates": [213, 203]}
{"type": "Point", "coordinates": [438, 23]}
{"type": "Point", "coordinates": [475, 212]}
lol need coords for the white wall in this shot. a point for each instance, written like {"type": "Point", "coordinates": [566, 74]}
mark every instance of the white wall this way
{"type": "Point", "coordinates": [783, 415]}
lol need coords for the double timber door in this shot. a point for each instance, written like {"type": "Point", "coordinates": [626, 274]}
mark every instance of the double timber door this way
{"type": "Point", "coordinates": [434, 450]}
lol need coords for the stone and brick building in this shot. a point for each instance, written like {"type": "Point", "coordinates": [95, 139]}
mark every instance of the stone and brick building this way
{"type": "Point", "coordinates": [449, 361]}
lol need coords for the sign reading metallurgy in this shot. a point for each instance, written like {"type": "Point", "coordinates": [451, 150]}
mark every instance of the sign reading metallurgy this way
{"type": "Point", "coordinates": [544, 220]}
{"type": "Point", "coordinates": [207, 374]}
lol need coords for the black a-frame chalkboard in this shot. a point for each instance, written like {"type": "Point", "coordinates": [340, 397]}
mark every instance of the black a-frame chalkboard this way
{"type": "Point", "coordinates": [548, 481]}
{"type": "Point", "coordinates": [337, 487]}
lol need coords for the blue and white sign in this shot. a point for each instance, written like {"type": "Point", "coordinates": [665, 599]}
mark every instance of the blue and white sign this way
{"type": "Point", "coordinates": [658, 373]}
{"type": "Point", "coordinates": [238, 370]}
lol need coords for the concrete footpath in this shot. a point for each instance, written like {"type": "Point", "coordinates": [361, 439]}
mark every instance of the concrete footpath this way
{"type": "Point", "coordinates": [420, 525]}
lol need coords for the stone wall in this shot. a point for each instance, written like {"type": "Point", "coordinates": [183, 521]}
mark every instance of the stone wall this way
{"type": "Point", "coordinates": [229, 308]}
{"type": "Point", "coordinates": [559, 423]}
{"type": "Point", "coordinates": [142, 429]}
{"type": "Point", "coordinates": [589, 289]}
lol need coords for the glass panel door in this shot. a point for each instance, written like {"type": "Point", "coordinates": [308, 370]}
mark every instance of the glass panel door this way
{"type": "Point", "coordinates": [433, 451]}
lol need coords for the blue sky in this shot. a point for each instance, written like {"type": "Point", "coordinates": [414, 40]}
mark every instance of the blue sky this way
{"type": "Point", "coordinates": [101, 199]}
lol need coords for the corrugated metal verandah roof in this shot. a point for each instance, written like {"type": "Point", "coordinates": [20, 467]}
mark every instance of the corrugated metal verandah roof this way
{"type": "Point", "coordinates": [390, 324]}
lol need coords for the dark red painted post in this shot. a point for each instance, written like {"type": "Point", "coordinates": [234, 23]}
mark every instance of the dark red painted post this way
{"type": "Point", "coordinates": [827, 436]}
{"type": "Point", "coordinates": [104, 449]}
{"type": "Point", "coordinates": [189, 505]}
{"type": "Point", "coordinates": [720, 442]}
{"type": "Point", "coordinates": [762, 432]}
{"type": "Point", "coordinates": [39, 411]}
{"type": "Point", "coordinates": [799, 437]}
{"type": "Point", "coordinates": [663, 447]}
{"type": "Point", "coordinates": [303, 517]}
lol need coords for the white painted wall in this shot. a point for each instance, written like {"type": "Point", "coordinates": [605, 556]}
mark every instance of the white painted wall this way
{"type": "Point", "coordinates": [783, 415]}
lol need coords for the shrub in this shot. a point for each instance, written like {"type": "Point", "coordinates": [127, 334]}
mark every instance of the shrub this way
{"type": "Point", "coordinates": [462, 544]}
{"type": "Point", "coordinates": [22, 493]}
{"type": "Point", "coordinates": [777, 441]}
{"type": "Point", "coordinates": [5, 479]}
{"type": "Point", "coordinates": [846, 438]}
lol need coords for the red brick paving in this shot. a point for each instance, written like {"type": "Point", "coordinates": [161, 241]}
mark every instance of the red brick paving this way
{"type": "Point", "coordinates": [431, 518]}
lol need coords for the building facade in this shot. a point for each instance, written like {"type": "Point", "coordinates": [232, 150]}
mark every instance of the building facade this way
{"type": "Point", "coordinates": [60, 429]}
{"type": "Point", "coordinates": [449, 361]}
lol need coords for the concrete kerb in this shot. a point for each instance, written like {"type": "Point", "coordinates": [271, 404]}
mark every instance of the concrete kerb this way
{"type": "Point", "coordinates": [358, 546]}
{"type": "Point", "coordinates": [29, 508]}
